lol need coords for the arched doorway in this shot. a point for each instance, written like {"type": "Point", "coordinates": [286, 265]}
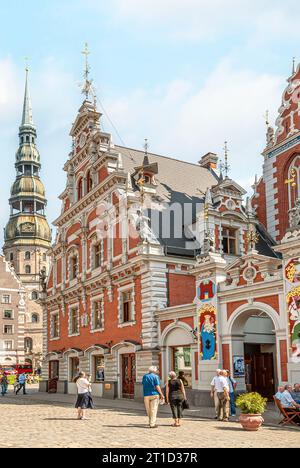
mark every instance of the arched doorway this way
{"type": "Point", "coordinates": [254, 350]}
{"type": "Point", "coordinates": [178, 351]}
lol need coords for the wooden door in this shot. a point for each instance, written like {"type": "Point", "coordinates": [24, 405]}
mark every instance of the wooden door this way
{"type": "Point", "coordinates": [128, 375]}
{"type": "Point", "coordinates": [263, 374]}
{"type": "Point", "coordinates": [53, 376]}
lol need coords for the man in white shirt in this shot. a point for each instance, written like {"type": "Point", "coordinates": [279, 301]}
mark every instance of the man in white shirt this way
{"type": "Point", "coordinates": [279, 394]}
{"type": "Point", "coordinates": [213, 393]}
{"type": "Point", "coordinates": [222, 389]}
{"type": "Point", "coordinates": [289, 404]}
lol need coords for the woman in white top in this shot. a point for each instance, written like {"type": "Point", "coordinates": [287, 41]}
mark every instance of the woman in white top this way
{"type": "Point", "coordinates": [84, 399]}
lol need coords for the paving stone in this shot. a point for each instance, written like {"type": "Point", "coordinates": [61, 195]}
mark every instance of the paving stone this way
{"type": "Point", "coordinates": [50, 421]}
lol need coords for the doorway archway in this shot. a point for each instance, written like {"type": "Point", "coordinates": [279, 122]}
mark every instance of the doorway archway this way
{"type": "Point", "coordinates": [253, 333]}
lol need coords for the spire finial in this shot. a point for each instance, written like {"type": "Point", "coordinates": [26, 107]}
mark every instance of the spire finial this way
{"type": "Point", "coordinates": [266, 116]}
{"type": "Point", "coordinates": [225, 166]}
{"type": "Point", "coordinates": [27, 119]}
{"type": "Point", "coordinates": [146, 157]}
{"type": "Point", "coordinates": [87, 87]}
{"type": "Point", "coordinates": [294, 66]}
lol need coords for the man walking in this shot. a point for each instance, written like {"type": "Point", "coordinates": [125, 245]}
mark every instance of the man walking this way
{"type": "Point", "coordinates": [22, 384]}
{"type": "Point", "coordinates": [213, 394]}
{"type": "Point", "coordinates": [152, 395]}
{"type": "Point", "coordinates": [222, 389]}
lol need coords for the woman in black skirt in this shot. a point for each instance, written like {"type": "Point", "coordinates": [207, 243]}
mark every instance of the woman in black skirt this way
{"type": "Point", "coordinates": [84, 399]}
{"type": "Point", "coordinates": [175, 395]}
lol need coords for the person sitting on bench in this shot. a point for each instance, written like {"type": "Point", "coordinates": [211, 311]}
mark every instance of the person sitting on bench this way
{"type": "Point", "coordinates": [288, 403]}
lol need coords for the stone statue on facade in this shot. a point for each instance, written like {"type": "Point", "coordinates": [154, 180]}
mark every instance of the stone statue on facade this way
{"type": "Point", "coordinates": [294, 216]}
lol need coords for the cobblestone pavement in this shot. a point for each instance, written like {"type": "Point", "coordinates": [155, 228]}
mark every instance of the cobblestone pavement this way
{"type": "Point", "coordinates": [40, 420]}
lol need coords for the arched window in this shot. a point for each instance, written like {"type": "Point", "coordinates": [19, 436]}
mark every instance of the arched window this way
{"type": "Point", "coordinates": [27, 255]}
{"type": "Point", "coordinates": [73, 265]}
{"type": "Point", "coordinates": [28, 269]}
{"type": "Point", "coordinates": [34, 295]}
{"type": "Point", "coordinates": [80, 189]}
{"type": "Point", "coordinates": [293, 182]}
{"type": "Point", "coordinates": [35, 318]}
{"type": "Point", "coordinates": [89, 182]}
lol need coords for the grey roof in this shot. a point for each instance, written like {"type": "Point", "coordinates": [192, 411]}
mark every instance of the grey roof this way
{"type": "Point", "coordinates": [174, 176]}
{"type": "Point", "coordinates": [178, 182]}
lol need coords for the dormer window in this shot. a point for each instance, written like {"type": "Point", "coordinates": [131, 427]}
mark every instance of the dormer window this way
{"type": "Point", "coordinates": [229, 241]}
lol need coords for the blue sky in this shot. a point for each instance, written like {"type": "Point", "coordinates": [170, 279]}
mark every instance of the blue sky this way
{"type": "Point", "coordinates": [186, 75]}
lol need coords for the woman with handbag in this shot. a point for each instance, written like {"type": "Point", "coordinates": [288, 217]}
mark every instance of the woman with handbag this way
{"type": "Point", "coordinates": [175, 396]}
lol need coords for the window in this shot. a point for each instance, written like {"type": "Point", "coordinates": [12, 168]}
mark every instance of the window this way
{"type": "Point", "coordinates": [28, 345]}
{"type": "Point", "coordinates": [8, 329]}
{"type": "Point", "coordinates": [97, 321]}
{"type": "Point", "coordinates": [229, 241]}
{"type": "Point", "coordinates": [11, 257]}
{"type": "Point", "coordinates": [74, 368]}
{"type": "Point", "coordinates": [35, 318]}
{"type": "Point", "coordinates": [34, 295]}
{"type": "Point", "coordinates": [6, 299]}
{"type": "Point", "coordinates": [28, 269]}
{"type": "Point", "coordinates": [89, 182]}
{"type": "Point", "coordinates": [27, 255]}
{"type": "Point", "coordinates": [80, 189]}
{"type": "Point", "coordinates": [97, 253]}
{"type": "Point", "coordinates": [44, 257]}
{"type": "Point", "coordinates": [74, 321]}
{"type": "Point", "coordinates": [8, 345]}
{"type": "Point", "coordinates": [99, 369]}
{"type": "Point", "coordinates": [8, 315]}
{"type": "Point", "coordinates": [73, 266]}
{"type": "Point", "coordinates": [127, 307]}
{"type": "Point", "coordinates": [54, 325]}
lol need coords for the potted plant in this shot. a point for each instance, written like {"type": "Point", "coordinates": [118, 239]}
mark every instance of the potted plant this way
{"type": "Point", "coordinates": [252, 406]}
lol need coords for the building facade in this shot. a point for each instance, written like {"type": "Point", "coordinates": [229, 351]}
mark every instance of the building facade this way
{"type": "Point", "coordinates": [27, 234]}
{"type": "Point", "coordinates": [12, 316]}
{"type": "Point", "coordinates": [160, 262]}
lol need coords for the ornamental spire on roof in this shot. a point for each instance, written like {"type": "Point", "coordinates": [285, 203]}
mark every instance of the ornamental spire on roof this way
{"type": "Point", "coordinates": [87, 86]}
{"type": "Point", "coordinates": [27, 120]}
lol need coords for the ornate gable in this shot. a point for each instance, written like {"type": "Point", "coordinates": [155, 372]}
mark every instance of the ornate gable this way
{"type": "Point", "coordinates": [288, 121]}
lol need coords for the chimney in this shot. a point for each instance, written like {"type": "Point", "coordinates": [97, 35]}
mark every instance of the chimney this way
{"type": "Point", "coordinates": [209, 161]}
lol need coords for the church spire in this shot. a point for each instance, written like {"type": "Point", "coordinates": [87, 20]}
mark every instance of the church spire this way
{"type": "Point", "coordinates": [27, 120]}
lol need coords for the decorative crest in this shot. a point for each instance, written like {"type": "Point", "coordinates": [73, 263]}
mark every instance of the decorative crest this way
{"type": "Point", "coordinates": [252, 237]}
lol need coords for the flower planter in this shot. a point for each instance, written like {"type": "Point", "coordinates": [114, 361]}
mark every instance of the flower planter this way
{"type": "Point", "coordinates": [251, 422]}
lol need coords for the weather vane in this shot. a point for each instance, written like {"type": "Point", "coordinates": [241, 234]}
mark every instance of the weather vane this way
{"type": "Point", "coordinates": [87, 87]}
{"type": "Point", "coordinates": [225, 166]}
{"type": "Point", "coordinates": [26, 64]}
{"type": "Point", "coordinates": [294, 66]}
{"type": "Point", "coordinates": [266, 117]}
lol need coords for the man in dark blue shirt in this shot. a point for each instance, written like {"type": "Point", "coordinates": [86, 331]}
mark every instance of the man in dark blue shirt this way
{"type": "Point", "coordinates": [152, 395]}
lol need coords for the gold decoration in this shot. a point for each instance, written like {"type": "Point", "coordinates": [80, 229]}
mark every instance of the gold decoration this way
{"type": "Point", "coordinates": [252, 237]}
{"type": "Point", "coordinates": [290, 272]}
{"type": "Point", "coordinates": [293, 293]}
{"type": "Point", "coordinates": [292, 180]}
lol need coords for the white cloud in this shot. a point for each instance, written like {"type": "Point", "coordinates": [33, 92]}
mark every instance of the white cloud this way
{"type": "Point", "coordinates": [203, 19]}
{"type": "Point", "coordinates": [186, 122]}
